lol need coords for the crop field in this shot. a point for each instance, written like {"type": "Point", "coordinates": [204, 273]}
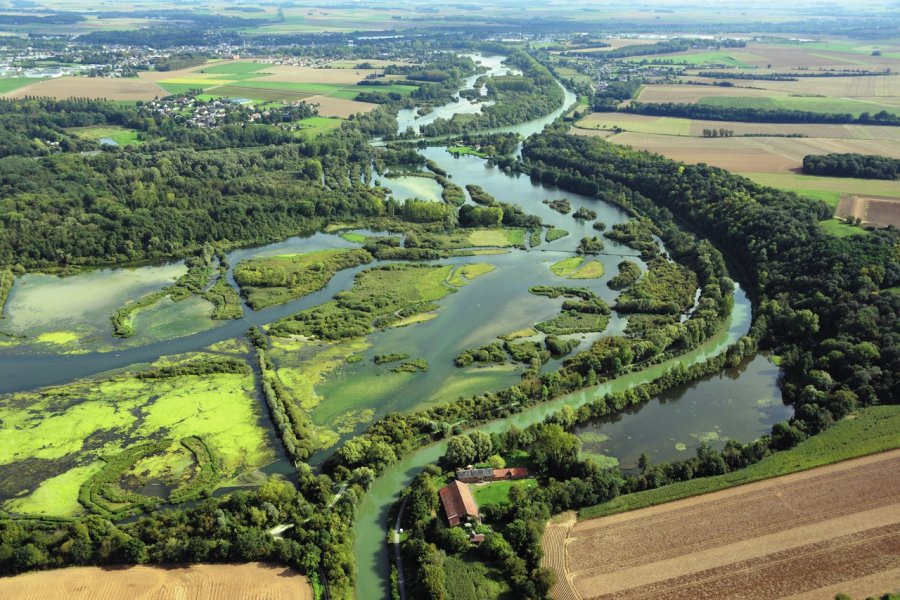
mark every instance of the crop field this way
{"type": "Point", "coordinates": [198, 582]}
{"type": "Point", "coordinates": [608, 121]}
{"type": "Point", "coordinates": [805, 103]}
{"type": "Point", "coordinates": [835, 528]}
{"type": "Point", "coordinates": [781, 57]}
{"type": "Point", "coordinates": [91, 87]}
{"type": "Point", "coordinates": [333, 89]}
{"type": "Point", "coordinates": [292, 74]}
{"type": "Point", "coordinates": [743, 96]}
{"type": "Point", "coordinates": [750, 154]}
{"type": "Point", "coordinates": [872, 87]}
{"type": "Point", "coordinates": [54, 440]}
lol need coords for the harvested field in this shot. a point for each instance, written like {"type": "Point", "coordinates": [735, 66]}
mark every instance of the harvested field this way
{"type": "Point", "coordinates": [780, 57]}
{"type": "Point", "coordinates": [879, 212]}
{"type": "Point", "coordinates": [92, 87]}
{"type": "Point", "coordinates": [876, 86]}
{"type": "Point", "coordinates": [553, 544]}
{"type": "Point", "coordinates": [749, 154]}
{"type": "Point", "coordinates": [330, 106]}
{"type": "Point", "coordinates": [197, 582]}
{"type": "Point", "coordinates": [690, 94]}
{"type": "Point", "coordinates": [694, 127]}
{"type": "Point", "coordinates": [800, 534]}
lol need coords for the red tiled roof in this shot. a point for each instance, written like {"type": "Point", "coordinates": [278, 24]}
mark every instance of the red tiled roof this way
{"type": "Point", "coordinates": [458, 502]}
{"type": "Point", "coordinates": [513, 473]}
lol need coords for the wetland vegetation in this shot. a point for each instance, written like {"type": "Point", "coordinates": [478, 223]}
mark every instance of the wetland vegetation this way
{"type": "Point", "coordinates": [406, 328]}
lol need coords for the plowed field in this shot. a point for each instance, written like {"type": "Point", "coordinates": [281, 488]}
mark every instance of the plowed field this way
{"type": "Point", "coordinates": [804, 535]}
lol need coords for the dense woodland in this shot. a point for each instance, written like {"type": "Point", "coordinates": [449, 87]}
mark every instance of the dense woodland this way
{"type": "Point", "coordinates": [865, 166]}
{"type": "Point", "coordinates": [819, 298]}
{"type": "Point", "coordinates": [168, 198]}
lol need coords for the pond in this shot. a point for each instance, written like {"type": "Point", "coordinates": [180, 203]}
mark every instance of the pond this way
{"type": "Point", "coordinates": [740, 403]}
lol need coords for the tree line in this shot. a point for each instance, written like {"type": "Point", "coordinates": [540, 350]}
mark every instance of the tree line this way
{"type": "Point", "coordinates": [864, 166]}
{"type": "Point", "coordinates": [756, 115]}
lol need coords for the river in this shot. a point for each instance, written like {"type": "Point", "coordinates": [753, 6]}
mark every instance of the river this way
{"type": "Point", "coordinates": [492, 305]}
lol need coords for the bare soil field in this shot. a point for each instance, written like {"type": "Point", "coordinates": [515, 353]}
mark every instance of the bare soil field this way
{"type": "Point", "coordinates": [197, 582]}
{"type": "Point", "coordinates": [805, 535]}
{"type": "Point", "coordinates": [330, 106]}
{"type": "Point", "coordinates": [876, 211]}
{"type": "Point", "coordinates": [92, 87]}
{"type": "Point", "coordinates": [749, 154]}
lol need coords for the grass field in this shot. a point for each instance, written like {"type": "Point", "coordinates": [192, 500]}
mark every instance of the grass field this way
{"type": "Point", "coordinates": [735, 57]}
{"type": "Point", "coordinates": [198, 582]}
{"type": "Point", "coordinates": [807, 103]}
{"type": "Point", "coordinates": [826, 188]}
{"type": "Point", "coordinates": [465, 274]}
{"type": "Point", "coordinates": [500, 238]}
{"type": "Point", "coordinates": [120, 135]}
{"type": "Point", "coordinates": [313, 126]}
{"type": "Point", "coordinates": [497, 492]}
{"type": "Point", "coordinates": [869, 431]}
{"type": "Point", "coordinates": [8, 84]}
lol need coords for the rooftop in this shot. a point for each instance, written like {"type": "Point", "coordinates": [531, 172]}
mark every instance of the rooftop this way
{"type": "Point", "coordinates": [458, 502]}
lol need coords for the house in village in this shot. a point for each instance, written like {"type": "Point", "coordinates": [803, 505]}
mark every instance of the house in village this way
{"type": "Point", "coordinates": [458, 502]}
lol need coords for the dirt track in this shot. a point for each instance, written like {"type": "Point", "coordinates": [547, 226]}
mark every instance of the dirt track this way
{"type": "Point", "coordinates": [806, 535]}
{"type": "Point", "coordinates": [255, 581]}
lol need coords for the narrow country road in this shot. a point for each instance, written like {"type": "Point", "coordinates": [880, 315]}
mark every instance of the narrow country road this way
{"type": "Point", "coordinates": [401, 583]}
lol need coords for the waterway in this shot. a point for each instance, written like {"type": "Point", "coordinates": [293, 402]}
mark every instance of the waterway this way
{"type": "Point", "coordinates": [740, 403]}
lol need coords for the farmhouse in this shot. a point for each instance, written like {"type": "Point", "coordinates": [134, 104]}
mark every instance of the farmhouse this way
{"type": "Point", "coordinates": [471, 475]}
{"type": "Point", "coordinates": [458, 502]}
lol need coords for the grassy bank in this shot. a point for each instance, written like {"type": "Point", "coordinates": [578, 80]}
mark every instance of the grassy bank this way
{"type": "Point", "coordinates": [869, 431]}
